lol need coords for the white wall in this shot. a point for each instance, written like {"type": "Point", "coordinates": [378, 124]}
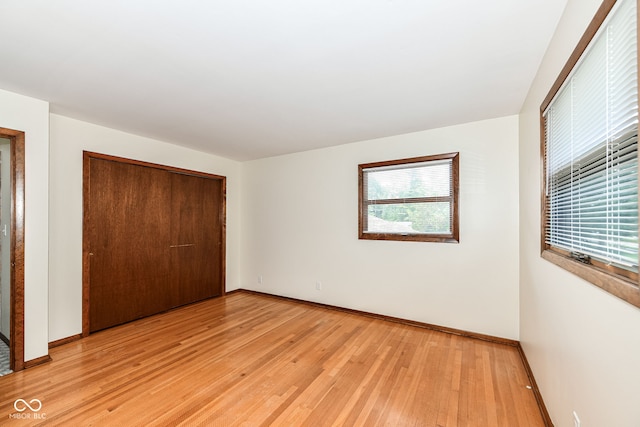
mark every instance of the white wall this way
{"type": "Point", "coordinates": [69, 138]}
{"type": "Point", "coordinates": [582, 343]}
{"type": "Point", "coordinates": [32, 117]}
{"type": "Point", "coordinates": [300, 225]}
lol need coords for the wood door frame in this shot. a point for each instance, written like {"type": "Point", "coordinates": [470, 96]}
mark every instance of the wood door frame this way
{"type": "Point", "coordinates": [86, 244]}
{"type": "Point", "coordinates": [16, 335]}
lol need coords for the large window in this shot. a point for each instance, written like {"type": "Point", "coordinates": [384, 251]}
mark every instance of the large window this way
{"type": "Point", "coordinates": [590, 147]}
{"type": "Point", "coordinates": [410, 199]}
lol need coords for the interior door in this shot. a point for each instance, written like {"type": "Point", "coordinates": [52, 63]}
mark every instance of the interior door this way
{"type": "Point", "coordinates": [153, 239]}
{"type": "Point", "coordinates": [129, 234]}
{"type": "Point", "coordinates": [196, 238]}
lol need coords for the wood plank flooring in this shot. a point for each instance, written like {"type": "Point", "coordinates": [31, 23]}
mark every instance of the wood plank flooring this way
{"type": "Point", "coordinates": [254, 360]}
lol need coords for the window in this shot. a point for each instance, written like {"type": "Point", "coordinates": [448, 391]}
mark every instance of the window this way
{"type": "Point", "coordinates": [410, 199]}
{"type": "Point", "coordinates": [590, 155]}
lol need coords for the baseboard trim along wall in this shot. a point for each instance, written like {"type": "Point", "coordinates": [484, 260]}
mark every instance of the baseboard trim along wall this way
{"type": "Point", "coordinates": [37, 361]}
{"type": "Point", "coordinates": [453, 331]}
{"type": "Point", "coordinates": [438, 328]}
{"type": "Point", "coordinates": [63, 341]}
{"type": "Point", "coordinates": [536, 390]}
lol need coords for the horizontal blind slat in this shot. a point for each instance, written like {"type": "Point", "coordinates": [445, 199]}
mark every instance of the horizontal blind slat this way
{"type": "Point", "coordinates": [591, 158]}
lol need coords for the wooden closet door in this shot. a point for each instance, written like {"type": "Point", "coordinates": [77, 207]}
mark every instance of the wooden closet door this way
{"type": "Point", "coordinates": [129, 233]}
{"type": "Point", "coordinates": [196, 238]}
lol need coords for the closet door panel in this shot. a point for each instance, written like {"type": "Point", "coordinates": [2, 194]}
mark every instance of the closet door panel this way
{"type": "Point", "coordinates": [129, 230]}
{"type": "Point", "coordinates": [196, 238]}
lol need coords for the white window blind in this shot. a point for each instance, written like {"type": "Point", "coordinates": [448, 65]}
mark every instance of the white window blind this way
{"type": "Point", "coordinates": [415, 198]}
{"type": "Point", "coordinates": [591, 139]}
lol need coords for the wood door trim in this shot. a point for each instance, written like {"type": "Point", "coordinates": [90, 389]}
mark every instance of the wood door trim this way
{"type": "Point", "coordinates": [86, 187]}
{"type": "Point", "coordinates": [86, 191]}
{"type": "Point", "coordinates": [223, 232]}
{"type": "Point", "coordinates": [174, 169]}
{"type": "Point", "coordinates": [16, 335]}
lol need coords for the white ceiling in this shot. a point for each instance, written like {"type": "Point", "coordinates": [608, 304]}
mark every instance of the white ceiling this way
{"type": "Point", "coordinates": [246, 79]}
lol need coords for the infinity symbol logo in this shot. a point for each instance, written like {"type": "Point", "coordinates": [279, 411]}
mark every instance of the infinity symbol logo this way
{"type": "Point", "coordinates": [21, 405]}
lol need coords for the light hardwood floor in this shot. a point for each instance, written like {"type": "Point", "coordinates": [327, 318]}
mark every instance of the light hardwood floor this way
{"type": "Point", "coordinates": [248, 359]}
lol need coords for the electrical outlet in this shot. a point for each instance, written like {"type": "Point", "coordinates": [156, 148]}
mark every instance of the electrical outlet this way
{"type": "Point", "coordinates": [576, 420]}
{"type": "Point", "coordinates": [318, 285]}
{"type": "Point", "coordinates": [259, 280]}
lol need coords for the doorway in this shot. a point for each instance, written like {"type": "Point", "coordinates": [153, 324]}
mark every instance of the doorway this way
{"type": "Point", "coordinates": [5, 253]}
{"type": "Point", "coordinates": [12, 152]}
